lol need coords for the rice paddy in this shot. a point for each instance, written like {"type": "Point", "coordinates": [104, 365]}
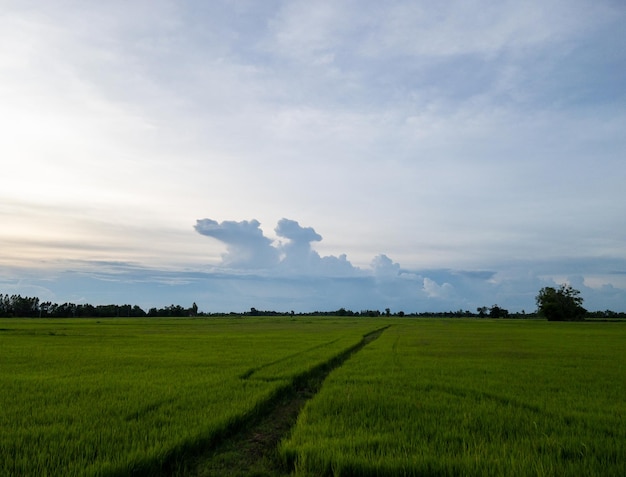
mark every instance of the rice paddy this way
{"type": "Point", "coordinates": [115, 397]}
{"type": "Point", "coordinates": [448, 397]}
{"type": "Point", "coordinates": [428, 397]}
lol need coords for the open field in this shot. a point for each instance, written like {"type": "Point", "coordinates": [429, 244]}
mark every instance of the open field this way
{"type": "Point", "coordinates": [115, 397]}
{"type": "Point", "coordinates": [461, 397]}
{"type": "Point", "coordinates": [427, 397]}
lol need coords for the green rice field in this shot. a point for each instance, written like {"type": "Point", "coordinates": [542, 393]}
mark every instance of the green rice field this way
{"type": "Point", "coordinates": [116, 397]}
{"type": "Point", "coordinates": [122, 397]}
{"type": "Point", "coordinates": [461, 397]}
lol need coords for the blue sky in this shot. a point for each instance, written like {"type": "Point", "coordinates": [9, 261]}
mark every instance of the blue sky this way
{"type": "Point", "coordinates": [313, 155]}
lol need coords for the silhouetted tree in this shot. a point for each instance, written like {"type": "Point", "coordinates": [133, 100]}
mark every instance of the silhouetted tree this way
{"type": "Point", "coordinates": [562, 304]}
{"type": "Point", "coordinates": [497, 312]}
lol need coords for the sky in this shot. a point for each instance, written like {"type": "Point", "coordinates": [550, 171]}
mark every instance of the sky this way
{"type": "Point", "coordinates": [313, 155]}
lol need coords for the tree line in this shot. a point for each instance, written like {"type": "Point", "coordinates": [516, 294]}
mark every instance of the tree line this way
{"type": "Point", "coordinates": [31, 307]}
{"type": "Point", "coordinates": [554, 304]}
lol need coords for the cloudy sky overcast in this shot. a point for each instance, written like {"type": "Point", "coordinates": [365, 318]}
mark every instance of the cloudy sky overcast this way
{"type": "Point", "coordinates": [312, 155]}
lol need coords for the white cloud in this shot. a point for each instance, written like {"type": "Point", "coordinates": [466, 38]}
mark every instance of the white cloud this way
{"type": "Point", "coordinates": [434, 290]}
{"type": "Point", "coordinates": [297, 235]}
{"type": "Point", "coordinates": [247, 247]}
{"type": "Point", "coordinates": [383, 266]}
{"type": "Point", "coordinates": [297, 252]}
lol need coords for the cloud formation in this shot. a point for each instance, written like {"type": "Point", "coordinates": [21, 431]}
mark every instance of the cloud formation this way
{"type": "Point", "coordinates": [336, 282]}
{"type": "Point", "coordinates": [290, 229]}
{"type": "Point", "coordinates": [246, 246]}
{"type": "Point", "coordinates": [383, 266]}
{"type": "Point", "coordinates": [297, 252]}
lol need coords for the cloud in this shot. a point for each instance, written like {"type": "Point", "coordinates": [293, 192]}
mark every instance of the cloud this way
{"type": "Point", "coordinates": [297, 253]}
{"type": "Point", "coordinates": [298, 235]}
{"type": "Point", "coordinates": [246, 246]}
{"type": "Point", "coordinates": [226, 289]}
{"type": "Point", "coordinates": [434, 290]}
{"type": "Point", "coordinates": [291, 267]}
{"type": "Point", "coordinates": [455, 138]}
{"type": "Point", "coordinates": [383, 266]}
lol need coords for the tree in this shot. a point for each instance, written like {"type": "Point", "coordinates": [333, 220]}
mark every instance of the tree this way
{"type": "Point", "coordinates": [562, 304]}
{"type": "Point", "coordinates": [498, 312]}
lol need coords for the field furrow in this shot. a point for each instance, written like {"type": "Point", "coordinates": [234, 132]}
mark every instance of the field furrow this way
{"type": "Point", "coordinates": [252, 450]}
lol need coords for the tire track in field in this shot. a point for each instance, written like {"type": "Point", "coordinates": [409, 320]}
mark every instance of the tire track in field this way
{"type": "Point", "coordinates": [247, 374]}
{"type": "Point", "coordinates": [249, 448]}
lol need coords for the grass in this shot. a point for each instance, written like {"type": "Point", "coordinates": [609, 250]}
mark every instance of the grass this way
{"type": "Point", "coordinates": [122, 397]}
{"type": "Point", "coordinates": [448, 397]}
{"type": "Point", "coordinates": [253, 450]}
{"type": "Point", "coordinates": [192, 397]}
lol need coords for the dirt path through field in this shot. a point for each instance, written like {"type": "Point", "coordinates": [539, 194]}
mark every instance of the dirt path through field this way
{"type": "Point", "coordinates": [252, 450]}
